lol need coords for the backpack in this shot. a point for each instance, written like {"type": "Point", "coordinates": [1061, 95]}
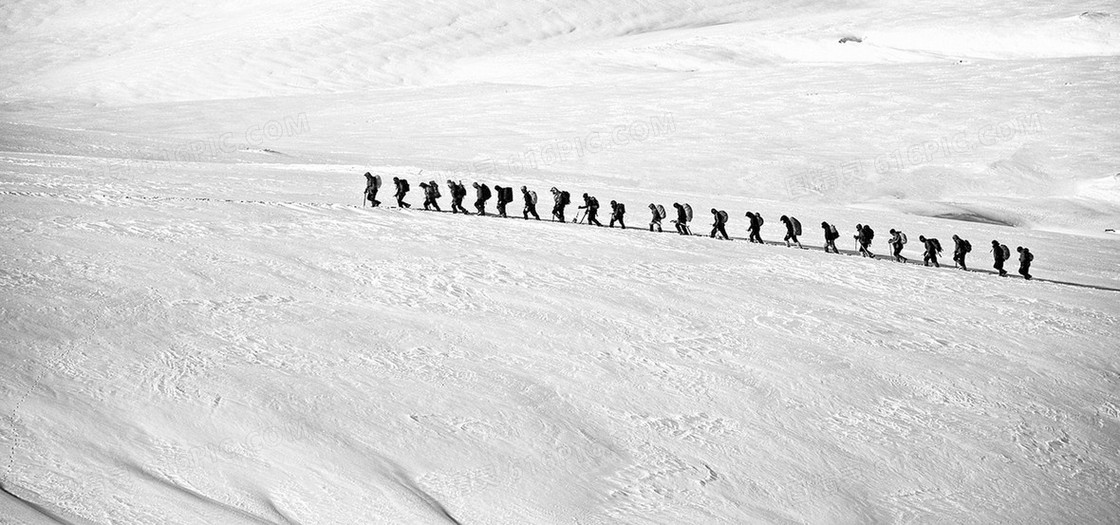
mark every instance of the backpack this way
{"type": "Point", "coordinates": [902, 239]}
{"type": "Point", "coordinates": [1006, 251]}
{"type": "Point", "coordinates": [435, 189]}
{"type": "Point", "coordinates": [936, 244]}
{"type": "Point", "coordinates": [661, 212]}
{"type": "Point", "coordinates": [621, 209]}
{"type": "Point", "coordinates": [404, 186]}
{"type": "Point", "coordinates": [507, 194]}
{"type": "Point", "coordinates": [796, 226]}
{"type": "Point", "coordinates": [835, 234]}
{"type": "Point", "coordinates": [722, 217]}
{"type": "Point", "coordinates": [533, 197]}
{"type": "Point", "coordinates": [966, 246]}
{"type": "Point", "coordinates": [760, 221]}
{"type": "Point", "coordinates": [688, 212]}
{"type": "Point", "coordinates": [565, 198]}
{"type": "Point", "coordinates": [592, 202]}
{"type": "Point", "coordinates": [484, 192]}
{"type": "Point", "coordinates": [1029, 255]}
{"type": "Point", "coordinates": [868, 233]}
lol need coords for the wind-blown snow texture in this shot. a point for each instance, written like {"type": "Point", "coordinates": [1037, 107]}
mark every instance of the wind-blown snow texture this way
{"type": "Point", "coordinates": [199, 324]}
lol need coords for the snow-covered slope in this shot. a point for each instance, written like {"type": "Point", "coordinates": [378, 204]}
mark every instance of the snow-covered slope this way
{"type": "Point", "coordinates": [198, 324]}
{"type": "Point", "coordinates": [178, 360]}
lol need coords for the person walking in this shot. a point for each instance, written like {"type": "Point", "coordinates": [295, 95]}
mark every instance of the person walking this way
{"type": "Point", "coordinates": [898, 240]}
{"type": "Point", "coordinates": [1000, 254]}
{"type": "Point", "coordinates": [591, 204]}
{"type": "Point", "coordinates": [961, 248]}
{"type": "Point", "coordinates": [657, 216]}
{"type": "Point", "coordinates": [682, 219]}
{"type": "Point", "coordinates": [402, 190]}
{"type": "Point", "coordinates": [864, 236]}
{"type": "Point", "coordinates": [373, 183]}
{"type": "Point", "coordinates": [482, 194]}
{"type": "Point", "coordinates": [458, 192]}
{"type": "Point", "coordinates": [793, 229]}
{"type": "Point", "coordinates": [719, 223]}
{"type": "Point", "coordinates": [830, 236]}
{"type": "Point", "coordinates": [1025, 260]}
{"type": "Point", "coordinates": [618, 210]}
{"type": "Point", "coordinates": [530, 203]}
{"type": "Point", "coordinates": [560, 199]}
{"type": "Point", "coordinates": [755, 227]}
{"type": "Point", "coordinates": [502, 194]}
{"type": "Point", "coordinates": [431, 193]}
{"type": "Point", "coordinates": [932, 250]}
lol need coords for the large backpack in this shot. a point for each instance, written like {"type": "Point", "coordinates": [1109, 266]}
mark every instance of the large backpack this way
{"type": "Point", "coordinates": [722, 217]}
{"type": "Point", "coordinates": [484, 192]}
{"type": "Point", "coordinates": [835, 234]}
{"type": "Point", "coordinates": [661, 212]}
{"type": "Point", "coordinates": [435, 189]}
{"type": "Point", "coordinates": [688, 212]}
{"type": "Point", "coordinates": [404, 186]}
{"type": "Point", "coordinates": [621, 209]}
{"type": "Point", "coordinates": [565, 198]}
{"type": "Point", "coordinates": [1006, 251]}
{"type": "Point", "coordinates": [868, 233]}
{"type": "Point", "coordinates": [936, 244]}
{"type": "Point", "coordinates": [1030, 256]}
{"type": "Point", "coordinates": [507, 194]}
{"type": "Point", "coordinates": [796, 226]}
{"type": "Point", "coordinates": [592, 202]}
{"type": "Point", "coordinates": [533, 197]}
{"type": "Point", "coordinates": [760, 221]}
{"type": "Point", "coordinates": [902, 238]}
{"type": "Point", "coordinates": [966, 246]}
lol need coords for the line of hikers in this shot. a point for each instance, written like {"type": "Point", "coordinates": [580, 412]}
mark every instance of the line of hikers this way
{"type": "Point", "coordinates": [561, 199]}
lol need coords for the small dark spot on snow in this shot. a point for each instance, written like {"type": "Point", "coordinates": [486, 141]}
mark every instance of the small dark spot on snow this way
{"type": "Point", "coordinates": [847, 39]}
